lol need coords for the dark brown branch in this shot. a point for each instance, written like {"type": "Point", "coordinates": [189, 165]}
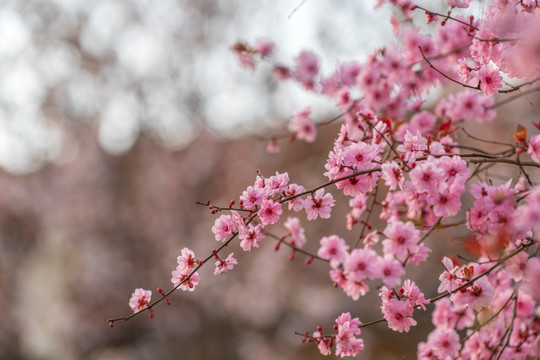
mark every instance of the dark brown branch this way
{"type": "Point", "coordinates": [446, 76]}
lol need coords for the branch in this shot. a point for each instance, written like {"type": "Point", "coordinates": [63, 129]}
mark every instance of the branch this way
{"type": "Point", "coordinates": [448, 17]}
{"type": "Point", "coordinates": [446, 76]}
{"type": "Point", "coordinates": [163, 297]}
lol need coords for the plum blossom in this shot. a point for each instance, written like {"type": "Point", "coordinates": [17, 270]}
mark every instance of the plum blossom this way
{"type": "Point", "coordinates": [303, 126]}
{"type": "Point", "coordinates": [276, 184]}
{"type": "Point", "coordinates": [413, 146]}
{"type": "Point", "coordinates": [392, 175]}
{"type": "Point", "coordinates": [449, 316]}
{"type": "Point", "coordinates": [346, 342]}
{"type": "Point", "coordinates": [140, 299]}
{"type": "Point", "coordinates": [307, 68]}
{"type": "Point", "coordinates": [360, 155]}
{"type": "Point", "coordinates": [186, 261]}
{"type": "Point", "coordinates": [251, 197]}
{"type": "Point", "coordinates": [459, 3]}
{"type": "Point", "coordinates": [319, 204]}
{"type": "Point", "coordinates": [333, 248]}
{"type": "Point", "coordinates": [402, 239]}
{"type": "Point", "coordinates": [298, 238]}
{"type": "Point", "coordinates": [265, 48]}
{"type": "Point", "coordinates": [448, 278]}
{"type": "Point", "coordinates": [186, 281]}
{"type": "Point", "coordinates": [444, 343]}
{"type": "Point", "coordinates": [224, 227]}
{"type": "Point", "coordinates": [476, 296]}
{"type": "Point", "coordinates": [391, 271]}
{"type": "Point", "coordinates": [269, 212]}
{"type": "Point", "coordinates": [534, 148]}
{"type": "Point", "coordinates": [222, 266]}
{"type": "Point", "coordinates": [297, 203]}
{"type": "Point", "coordinates": [251, 237]}
{"type": "Point", "coordinates": [490, 79]}
{"type": "Point", "coordinates": [398, 315]}
{"type": "Point", "coordinates": [362, 264]}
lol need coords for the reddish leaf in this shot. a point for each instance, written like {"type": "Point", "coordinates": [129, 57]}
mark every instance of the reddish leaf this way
{"type": "Point", "coordinates": [521, 135]}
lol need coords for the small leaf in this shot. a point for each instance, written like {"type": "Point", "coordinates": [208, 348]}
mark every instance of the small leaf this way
{"type": "Point", "coordinates": [521, 135]}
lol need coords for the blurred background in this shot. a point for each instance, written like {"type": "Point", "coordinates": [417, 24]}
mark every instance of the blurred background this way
{"type": "Point", "coordinates": [115, 117]}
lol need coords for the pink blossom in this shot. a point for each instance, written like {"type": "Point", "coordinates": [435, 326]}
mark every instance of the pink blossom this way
{"type": "Point", "coordinates": [319, 204]}
{"type": "Point", "coordinates": [392, 175]}
{"type": "Point", "coordinates": [276, 184]}
{"type": "Point", "coordinates": [297, 203]}
{"type": "Point", "coordinates": [140, 299]}
{"type": "Point", "coordinates": [370, 239]}
{"type": "Point", "coordinates": [359, 184]}
{"type": "Point", "coordinates": [265, 48]}
{"type": "Point", "coordinates": [251, 197]}
{"type": "Point", "coordinates": [478, 345]}
{"type": "Point", "coordinates": [224, 227]}
{"type": "Point", "coordinates": [448, 316]}
{"type": "Point", "coordinates": [186, 261]}
{"type": "Point", "coordinates": [423, 121]}
{"type": "Point", "coordinates": [534, 148]}
{"type": "Point", "coordinates": [446, 201]}
{"type": "Point", "coordinates": [307, 68]}
{"type": "Point", "coordinates": [413, 146]}
{"type": "Point", "coordinates": [339, 278]}
{"type": "Point", "coordinates": [323, 343]}
{"type": "Point", "coordinates": [420, 255]}
{"type": "Point", "coordinates": [459, 3]}
{"type": "Point", "coordinates": [358, 205]}
{"type": "Point", "coordinates": [464, 70]}
{"type": "Point", "coordinates": [476, 296]}
{"type": "Point", "coordinates": [251, 237]}
{"type": "Point", "coordinates": [516, 265]}
{"type": "Point", "coordinates": [455, 170]}
{"type": "Point", "coordinates": [427, 175]}
{"type": "Point", "coordinates": [402, 239]}
{"type": "Point", "coordinates": [281, 73]}
{"type": "Point", "coordinates": [303, 126]}
{"type": "Point", "coordinates": [362, 264]}
{"type": "Point", "coordinates": [414, 295]}
{"type": "Point", "coordinates": [444, 343]}
{"type": "Point", "coordinates": [398, 315]}
{"type": "Point", "coordinates": [333, 248]}
{"type": "Point", "coordinates": [531, 278]}
{"type": "Point", "coordinates": [349, 73]}
{"type": "Point", "coordinates": [360, 155]}
{"type": "Point", "coordinates": [490, 79]}
{"type": "Point", "coordinates": [391, 271]}
{"type": "Point", "coordinates": [222, 266]}
{"type": "Point", "coordinates": [187, 281]}
{"type": "Point", "coordinates": [298, 239]}
{"type": "Point", "coordinates": [448, 277]}
{"type": "Point", "coordinates": [346, 342]}
{"type": "Point", "coordinates": [334, 164]}
{"type": "Point", "coordinates": [356, 288]}
{"type": "Point", "coordinates": [269, 212]}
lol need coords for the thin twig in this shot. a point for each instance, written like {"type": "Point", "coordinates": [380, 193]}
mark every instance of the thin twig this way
{"type": "Point", "coordinates": [446, 76]}
{"type": "Point", "coordinates": [296, 8]}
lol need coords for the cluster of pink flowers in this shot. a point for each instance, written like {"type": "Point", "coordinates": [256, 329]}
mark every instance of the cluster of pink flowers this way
{"type": "Point", "coordinates": [487, 307]}
{"type": "Point", "coordinates": [497, 303]}
{"type": "Point", "coordinates": [184, 273]}
{"type": "Point", "coordinates": [265, 198]}
{"type": "Point", "coordinates": [346, 341]}
{"type": "Point", "coordinates": [398, 306]}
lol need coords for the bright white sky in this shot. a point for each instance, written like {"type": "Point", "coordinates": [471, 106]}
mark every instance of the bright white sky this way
{"type": "Point", "coordinates": [158, 51]}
